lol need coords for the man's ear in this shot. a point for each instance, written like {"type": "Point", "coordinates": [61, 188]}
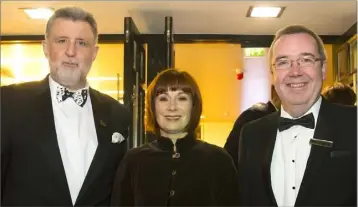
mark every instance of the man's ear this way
{"type": "Point", "coordinates": [45, 47]}
{"type": "Point", "coordinates": [95, 52]}
{"type": "Point", "coordinates": [272, 76]}
{"type": "Point", "coordinates": [324, 70]}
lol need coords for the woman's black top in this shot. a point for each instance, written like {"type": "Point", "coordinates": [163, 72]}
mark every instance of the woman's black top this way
{"type": "Point", "coordinates": [195, 174]}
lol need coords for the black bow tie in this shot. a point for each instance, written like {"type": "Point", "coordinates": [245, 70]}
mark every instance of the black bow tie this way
{"type": "Point", "coordinates": [306, 121]}
{"type": "Point", "coordinates": [79, 97]}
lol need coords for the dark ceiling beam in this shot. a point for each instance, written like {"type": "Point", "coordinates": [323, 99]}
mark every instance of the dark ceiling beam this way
{"type": "Point", "coordinates": [244, 40]}
{"type": "Point", "coordinates": [348, 34]}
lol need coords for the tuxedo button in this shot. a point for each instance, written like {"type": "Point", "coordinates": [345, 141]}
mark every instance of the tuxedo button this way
{"type": "Point", "coordinates": [293, 187]}
{"type": "Point", "coordinates": [174, 172]}
{"type": "Point", "coordinates": [172, 192]}
{"type": "Point", "coordinates": [293, 160]}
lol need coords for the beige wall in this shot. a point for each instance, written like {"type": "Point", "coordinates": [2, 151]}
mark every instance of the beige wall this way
{"type": "Point", "coordinates": [109, 63]}
{"type": "Point", "coordinates": [216, 132]}
{"type": "Point", "coordinates": [214, 68]}
{"type": "Point", "coordinates": [25, 61]}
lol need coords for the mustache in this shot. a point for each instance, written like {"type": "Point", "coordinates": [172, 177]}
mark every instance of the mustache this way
{"type": "Point", "coordinates": [72, 62]}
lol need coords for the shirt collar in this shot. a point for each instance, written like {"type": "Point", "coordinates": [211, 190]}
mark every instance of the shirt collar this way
{"type": "Point", "coordinates": [314, 110]}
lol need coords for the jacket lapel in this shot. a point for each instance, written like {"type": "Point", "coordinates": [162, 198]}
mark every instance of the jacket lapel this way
{"type": "Point", "coordinates": [271, 107]}
{"type": "Point", "coordinates": [268, 144]}
{"type": "Point", "coordinates": [49, 142]}
{"type": "Point", "coordinates": [317, 154]}
{"type": "Point", "coordinates": [101, 114]}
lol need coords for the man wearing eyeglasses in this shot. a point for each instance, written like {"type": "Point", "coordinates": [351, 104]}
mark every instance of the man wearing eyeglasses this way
{"type": "Point", "coordinates": [304, 154]}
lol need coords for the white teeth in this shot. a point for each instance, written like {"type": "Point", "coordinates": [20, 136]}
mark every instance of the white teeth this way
{"type": "Point", "coordinates": [172, 117]}
{"type": "Point", "coordinates": [296, 85]}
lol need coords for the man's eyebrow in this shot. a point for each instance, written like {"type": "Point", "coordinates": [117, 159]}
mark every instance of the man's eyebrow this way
{"type": "Point", "coordinates": [281, 57]}
{"type": "Point", "coordinates": [307, 54]}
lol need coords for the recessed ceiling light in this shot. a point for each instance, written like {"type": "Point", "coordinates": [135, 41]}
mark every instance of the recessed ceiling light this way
{"type": "Point", "coordinates": [39, 13]}
{"type": "Point", "coordinates": [263, 12]}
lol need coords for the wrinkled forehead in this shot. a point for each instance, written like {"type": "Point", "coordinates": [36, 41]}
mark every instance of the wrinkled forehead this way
{"type": "Point", "coordinates": [67, 27]}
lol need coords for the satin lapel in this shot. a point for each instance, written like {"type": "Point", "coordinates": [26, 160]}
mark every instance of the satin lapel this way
{"type": "Point", "coordinates": [268, 143]}
{"type": "Point", "coordinates": [48, 137]}
{"type": "Point", "coordinates": [317, 154]}
{"type": "Point", "coordinates": [101, 115]}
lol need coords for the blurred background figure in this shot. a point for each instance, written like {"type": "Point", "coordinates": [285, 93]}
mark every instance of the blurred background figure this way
{"type": "Point", "coordinates": [255, 112]}
{"type": "Point", "coordinates": [340, 93]}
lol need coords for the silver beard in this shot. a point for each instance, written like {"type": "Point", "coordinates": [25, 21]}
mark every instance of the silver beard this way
{"type": "Point", "coordinates": [69, 77]}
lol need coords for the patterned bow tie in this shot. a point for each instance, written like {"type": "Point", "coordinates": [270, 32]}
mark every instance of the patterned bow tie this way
{"type": "Point", "coordinates": [79, 97]}
{"type": "Point", "coordinates": [306, 121]}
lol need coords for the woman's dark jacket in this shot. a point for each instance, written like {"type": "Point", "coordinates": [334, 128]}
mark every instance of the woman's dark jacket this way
{"type": "Point", "coordinates": [197, 174]}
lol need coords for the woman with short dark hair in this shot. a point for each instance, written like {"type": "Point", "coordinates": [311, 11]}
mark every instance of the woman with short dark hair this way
{"type": "Point", "coordinates": [176, 169]}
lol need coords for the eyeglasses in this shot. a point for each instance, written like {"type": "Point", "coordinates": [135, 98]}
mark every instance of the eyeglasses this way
{"type": "Point", "coordinates": [302, 62]}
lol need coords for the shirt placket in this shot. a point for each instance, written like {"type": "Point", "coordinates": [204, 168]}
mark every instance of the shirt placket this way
{"type": "Point", "coordinates": [292, 163]}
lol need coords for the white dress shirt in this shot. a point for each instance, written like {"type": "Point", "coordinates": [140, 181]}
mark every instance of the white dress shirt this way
{"type": "Point", "coordinates": [290, 157]}
{"type": "Point", "coordinates": [76, 136]}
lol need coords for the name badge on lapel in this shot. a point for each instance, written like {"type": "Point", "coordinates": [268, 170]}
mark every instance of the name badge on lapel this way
{"type": "Point", "coordinates": [321, 143]}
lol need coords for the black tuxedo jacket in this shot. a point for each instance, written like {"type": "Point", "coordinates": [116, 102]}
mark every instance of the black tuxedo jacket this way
{"type": "Point", "coordinates": [330, 175]}
{"type": "Point", "coordinates": [32, 173]}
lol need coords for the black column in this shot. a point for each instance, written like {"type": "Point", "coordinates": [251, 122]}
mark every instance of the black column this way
{"type": "Point", "coordinates": [156, 56]}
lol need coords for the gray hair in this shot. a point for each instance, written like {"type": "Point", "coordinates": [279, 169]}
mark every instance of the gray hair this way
{"type": "Point", "coordinates": [74, 14]}
{"type": "Point", "coordinates": [297, 29]}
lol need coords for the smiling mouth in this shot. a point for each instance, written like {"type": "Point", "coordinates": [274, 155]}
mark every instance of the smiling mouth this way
{"type": "Point", "coordinates": [297, 85]}
{"type": "Point", "coordinates": [172, 117]}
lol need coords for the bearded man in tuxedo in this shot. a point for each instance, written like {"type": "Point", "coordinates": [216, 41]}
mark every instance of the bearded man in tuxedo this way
{"type": "Point", "coordinates": [61, 140]}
